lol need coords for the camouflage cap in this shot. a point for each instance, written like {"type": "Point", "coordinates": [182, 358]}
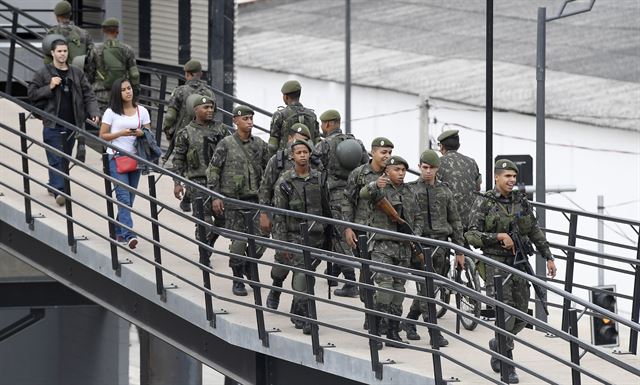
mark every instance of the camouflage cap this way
{"type": "Point", "coordinates": [447, 134]}
{"type": "Point", "coordinates": [62, 8]}
{"type": "Point", "coordinates": [202, 99]}
{"type": "Point", "coordinates": [506, 164]}
{"type": "Point", "coordinates": [305, 142]}
{"type": "Point", "coordinates": [192, 66]}
{"type": "Point", "coordinates": [329, 115]}
{"type": "Point", "coordinates": [396, 160]}
{"type": "Point", "coordinates": [243, 110]}
{"type": "Point", "coordinates": [291, 86]}
{"type": "Point", "coordinates": [111, 22]}
{"type": "Point", "coordinates": [431, 158]}
{"type": "Point", "coordinates": [300, 129]}
{"type": "Point", "coordinates": [381, 142]}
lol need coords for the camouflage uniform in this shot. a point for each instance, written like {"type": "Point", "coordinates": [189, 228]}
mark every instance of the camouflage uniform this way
{"type": "Point", "coordinates": [494, 214]}
{"type": "Point", "coordinates": [441, 221]}
{"type": "Point", "coordinates": [278, 133]}
{"type": "Point", "coordinates": [96, 72]}
{"type": "Point", "coordinates": [236, 173]}
{"type": "Point", "coordinates": [336, 184]}
{"type": "Point", "coordinates": [353, 208]}
{"type": "Point", "coordinates": [463, 177]}
{"type": "Point", "coordinates": [307, 194]}
{"type": "Point", "coordinates": [191, 157]}
{"type": "Point", "coordinates": [75, 35]}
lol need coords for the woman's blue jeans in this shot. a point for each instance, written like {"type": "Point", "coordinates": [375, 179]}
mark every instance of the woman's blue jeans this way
{"type": "Point", "coordinates": [125, 197]}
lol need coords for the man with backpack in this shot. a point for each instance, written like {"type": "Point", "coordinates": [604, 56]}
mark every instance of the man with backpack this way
{"type": "Point", "coordinates": [293, 113]}
{"type": "Point", "coordinates": [178, 115]}
{"type": "Point", "coordinates": [340, 153]}
{"type": "Point", "coordinates": [110, 61]}
{"type": "Point", "coordinates": [78, 39]}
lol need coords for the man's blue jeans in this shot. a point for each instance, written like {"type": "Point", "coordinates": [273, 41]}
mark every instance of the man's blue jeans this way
{"type": "Point", "coordinates": [56, 137]}
{"type": "Point", "coordinates": [125, 197]}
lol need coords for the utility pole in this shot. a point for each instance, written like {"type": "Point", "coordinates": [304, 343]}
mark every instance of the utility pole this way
{"type": "Point", "coordinates": [221, 47]}
{"type": "Point", "coordinates": [424, 140]}
{"type": "Point", "coordinates": [600, 238]}
{"type": "Point", "coordinates": [347, 69]}
{"type": "Point", "coordinates": [489, 99]}
{"type": "Point", "coordinates": [540, 123]}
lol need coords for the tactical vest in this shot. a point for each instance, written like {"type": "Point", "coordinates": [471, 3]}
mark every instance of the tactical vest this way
{"type": "Point", "coordinates": [76, 42]}
{"type": "Point", "coordinates": [239, 178]}
{"type": "Point", "coordinates": [304, 196]}
{"type": "Point", "coordinates": [202, 143]}
{"type": "Point", "coordinates": [501, 214]}
{"type": "Point", "coordinates": [111, 63]}
{"type": "Point", "coordinates": [363, 206]}
{"type": "Point", "coordinates": [293, 114]}
{"type": "Point", "coordinates": [185, 115]}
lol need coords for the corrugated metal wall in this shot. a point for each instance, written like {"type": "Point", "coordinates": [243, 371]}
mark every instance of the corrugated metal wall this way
{"type": "Point", "coordinates": [130, 22]}
{"type": "Point", "coordinates": [164, 31]}
{"type": "Point", "coordinates": [199, 30]}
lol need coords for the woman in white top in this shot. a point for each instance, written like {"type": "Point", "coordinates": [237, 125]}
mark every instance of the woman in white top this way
{"type": "Point", "coordinates": [121, 125]}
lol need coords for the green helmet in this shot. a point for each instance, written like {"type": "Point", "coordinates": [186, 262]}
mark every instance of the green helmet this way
{"type": "Point", "coordinates": [349, 153]}
{"type": "Point", "coordinates": [48, 41]}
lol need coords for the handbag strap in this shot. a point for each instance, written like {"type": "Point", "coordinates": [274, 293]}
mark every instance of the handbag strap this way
{"type": "Point", "coordinates": [138, 111]}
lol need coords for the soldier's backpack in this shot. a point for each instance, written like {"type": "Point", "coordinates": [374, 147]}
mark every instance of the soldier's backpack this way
{"type": "Point", "coordinates": [111, 63]}
{"type": "Point", "coordinates": [76, 43]}
{"type": "Point", "coordinates": [186, 111]}
{"type": "Point", "coordinates": [302, 115]}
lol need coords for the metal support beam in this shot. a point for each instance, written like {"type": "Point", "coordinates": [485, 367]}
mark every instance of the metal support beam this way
{"type": "Point", "coordinates": [184, 31]}
{"type": "Point", "coordinates": [489, 99]}
{"type": "Point", "coordinates": [33, 317]}
{"type": "Point", "coordinates": [347, 69]}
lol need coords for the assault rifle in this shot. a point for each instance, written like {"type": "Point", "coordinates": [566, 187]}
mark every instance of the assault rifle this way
{"type": "Point", "coordinates": [523, 251]}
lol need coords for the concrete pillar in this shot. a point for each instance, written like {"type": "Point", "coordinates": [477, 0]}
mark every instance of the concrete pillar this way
{"type": "Point", "coordinates": [162, 364]}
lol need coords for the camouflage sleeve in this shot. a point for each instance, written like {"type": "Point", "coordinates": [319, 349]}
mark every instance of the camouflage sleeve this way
{"type": "Point", "coordinates": [175, 101]}
{"type": "Point", "coordinates": [215, 166]}
{"type": "Point", "coordinates": [89, 42]}
{"type": "Point", "coordinates": [476, 236]}
{"type": "Point", "coordinates": [350, 197]}
{"type": "Point", "coordinates": [315, 133]}
{"type": "Point", "coordinates": [132, 67]}
{"type": "Point", "coordinates": [280, 200]}
{"type": "Point", "coordinates": [265, 192]}
{"type": "Point", "coordinates": [90, 65]}
{"type": "Point", "coordinates": [322, 151]}
{"type": "Point", "coordinates": [478, 177]}
{"type": "Point", "coordinates": [418, 217]}
{"type": "Point", "coordinates": [264, 147]}
{"type": "Point", "coordinates": [180, 153]}
{"type": "Point", "coordinates": [275, 132]}
{"type": "Point", "coordinates": [453, 217]}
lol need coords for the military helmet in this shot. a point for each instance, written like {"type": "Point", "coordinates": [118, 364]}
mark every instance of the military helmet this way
{"type": "Point", "coordinates": [62, 8]}
{"type": "Point", "coordinates": [195, 99]}
{"type": "Point", "coordinates": [349, 153]}
{"type": "Point", "coordinates": [48, 40]}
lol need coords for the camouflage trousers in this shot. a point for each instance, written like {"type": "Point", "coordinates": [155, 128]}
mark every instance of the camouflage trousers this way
{"type": "Point", "coordinates": [299, 281]}
{"type": "Point", "coordinates": [338, 243]}
{"type": "Point", "coordinates": [393, 253]}
{"type": "Point", "coordinates": [515, 293]}
{"type": "Point", "coordinates": [235, 220]}
{"type": "Point", "coordinates": [441, 265]}
{"type": "Point", "coordinates": [210, 235]}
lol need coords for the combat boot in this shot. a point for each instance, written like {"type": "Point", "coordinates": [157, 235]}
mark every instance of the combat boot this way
{"type": "Point", "coordinates": [376, 332]}
{"type": "Point", "coordinates": [238, 287]}
{"type": "Point", "coordinates": [392, 334]}
{"type": "Point", "coordinates": [410, 328]}
{"type": "Point", "coordinates": [295, 309]}
{"type": "Point", "coordinates": [438, 340]}
{"type": "Point", "coordinates": [348, 289]}
{"type": "Point", "coordinates": [304, 311]}
{"type": "Point", "coordinates": [495, 363]}
{"type": "Point", "coordinates": [512, 376]}
{"type": "Point", "coordinates": [273, 299]}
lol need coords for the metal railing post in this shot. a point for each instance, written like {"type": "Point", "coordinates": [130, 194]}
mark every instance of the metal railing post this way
{"type": "Point", "coordinates": [24, 147]}
{"type": "Point", "coordinates": [432, 317]}
{"type": "Point", "coordinates": [253, 271]}
{"type": "Point", "coordinates": [568, 280]}
{"type": "Point", "coordinates": [155, 231]}
{"type": "Point", "coordinates": [635, 306]}
{"type": "Point", "coordinates": [71, 240]}
{"type": "Point", "coordinates": [572, 320]}
{"type": "Point", "coordinates": [12, 53]}
{"type": "Point", "coordinates": [198, 207]}
{"type": "Point", "coordinates": [160, 115]}
{"type": "Point", "coordinates": [311, 303]}
{"type": "Point", "coordinates": [500, 323]}
{"type": "Point", "coordinates": [108, 190]}
{"type": "Point", "coordinates": [376, 366]}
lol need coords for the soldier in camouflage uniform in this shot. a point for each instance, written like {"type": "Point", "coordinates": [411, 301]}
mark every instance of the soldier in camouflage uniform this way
{"type": "Point", "coordinates": [285, 117]}
{"type": "Point", "coordinates": [490, 223]}
{"type": "Point", "coordinates": [300, 189]}
{"type": "Point", "coordinates": [389, 249]}
{"type": "Point", "coordinates": [441, 222]}
{"type": "Point", "coordinates": [338, 167]}
{"type": "Point", "coordinates": [278, 165]}
{"type": "Point", "coordinates": [178, 115]}
{"type": "Point", "coordinates": [109, 61]}
{"type": "Point", "coordinates": [357, 210]}
{"type": "Point", "coordinates": [195, 144]}
{"type": "Point", "coordinates": [459, 172]}
{"type": "Point", "coordinates": [235, 171]}
{"type": "Point", "coordinates": [79, 40]}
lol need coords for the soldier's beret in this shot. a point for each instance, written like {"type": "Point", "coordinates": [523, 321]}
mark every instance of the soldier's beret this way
{"type": "Point", "coordinates": [300, 129]}
{"type": "Point", "coordinates": [242, 110]}
{"type": "Point", "coordinates": [447, 134]}
{"type": "Point", "coordinates": [506, 164]}
{"type": "Point", "coordinates": [111, 22]}
{"type": "Point", "coordinates": [62, 8]}
{"type": "Point", "coordinates": [192, 66]}
{"type": "Point", "coordinates": [330, 115]}
{"type": "Point", "coordinates": [305, 142]}
{"type": "Point", "coordinates": [431, 158]}
{"type": "Point", "coordinates": [202, 99]}
{"type": "Point", "coordinates": [396, 160]}
{"type": "Point", "coordinates": [291, 86]}
{"type": "Point", "coordinates": [381, 142]}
